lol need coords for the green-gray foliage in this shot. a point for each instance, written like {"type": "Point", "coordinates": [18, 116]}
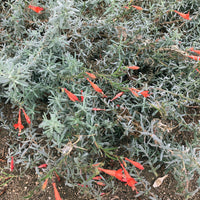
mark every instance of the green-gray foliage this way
{"type": "Point", "coordinates": [42, 53]}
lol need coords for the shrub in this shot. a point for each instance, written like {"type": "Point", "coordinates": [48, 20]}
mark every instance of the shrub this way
{"type": "Point", "coordinates": [42, 53]}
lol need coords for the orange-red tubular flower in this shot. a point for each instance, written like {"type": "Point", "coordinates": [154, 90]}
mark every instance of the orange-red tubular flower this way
{"type": "Point", "coordinates": [130, 181]}
{"type": "Point", "coordinates": [127, 7]}
{"type": "Point", "coordinates": [96, 88]}
{"type": "Point", "coordinates": [82, 185]}
{"type": "Point", "coordinates": [96, 164]}
{"type": "Point", "coordinates": [97, 178]}
{"type": "Point", "coordinates": [45, 184]}
{"type": "Point", "coordinates": [100, 183]}
{"type": "Point", "coordinates": [120, 176]}
{"type": "Point", "coordinates": [185, 16]}
{"type": "Point", "coordinates": [36, 8]}
{"type": "Point", "coordinates": [117, 96]}
{"type": "Point", "coordinates": [197, 58]}
{"type": "Point", "coordinates": [107, 171]}
{"type": "Point", "coordinates": [116, 173]}
{"type": "Point", "coordinates": [43, 166]}
{"type": "Point", "coordinates": [98, 109]}
{"type": "Point", "coordinates": [133, 67]}
{"type": "Point", "coordinates": [145, 93]}
{"type": "Point", "coordinates": [136, 164]}
{"type": "Point", "coordinates": [58, 177]}
{"type": "Point", "coordinates": [133, 92]}
{"type": "Point", "coordinates": [91, 75]}
{"type": "Point", "coordinates": [71, 96]}
{"type": "Point", "coordinates": [56, 193]}
{"type": "Point", "coordinates": [26, 117]}
{"type": "Point", "coordinates": [135, 89]}
{"type": "Point", "coordinates": [196, 51]}
{"type": "Point", "coordinates": [12, 164]}
{"type": "Point", "coordinates": [19, 124]}
{"type": "Point", "coordinates": [137, 7]}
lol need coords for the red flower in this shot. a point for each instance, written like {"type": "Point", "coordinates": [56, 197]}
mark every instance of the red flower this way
{"type": "Point", "coordinates": [98, 109]}
{"type": "Point", "coordinates": [120, 176]}
{"type": "Point", "coordinates": [97, 178]}
{"type": "Point", "coordinates": [137, 7]}
{"type": "Point", "coordinates": [196, 51]}
{"type": "Point", "coordinates": [117, 96]}
{"type": "Point", "coordinates": [145, 93]}
{"type": "Point", "coordinates": [91, 75]}
{"type": "Point", "coordinates": [82, 185]}
{"type": "Point", "coordinates": [71, 96]}
{"type": "Point", "coordinates": [35, 8]}
{"type": "Point", "coordinates": [116, 173]}
{"type": "Point", "coordinates": [58, 177]}
{"type": "Point", "coordinates": [96, 88]}
{"type": "Point", "coordinates": [136, 164]}
{"type": "Point", "coordinates": [96, 164]}
{"type": "Point", "coordinates": [56, 193]}
{"type": "Point", "coordinates": [19, 124]}
{"type": "Point", "coordinates": [197, 58]}
{"type": "Point", "coordinates": [26, 117]}
{"type": "Point", "coordinates": [100, 183]}
{"type": "Point", "coordinates": [133, 67]}
{"type": "Point", "coordinates": [12, 164]}
{"type": "Point", "coordinates": [43, 166]}
{"type": "Point", "coordinates": [133, 91]}
{"type": "Point", "coordinates": [126, 7]}
{"type": "Point", "coordinates": [185, 16]}
{"type": "Point", "coordinates": [45, 184]}
{"type": "Point", "coordinates": [130, 181]}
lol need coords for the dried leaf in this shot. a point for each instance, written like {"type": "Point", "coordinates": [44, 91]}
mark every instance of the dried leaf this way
{"type": "Point", "coordinates": [159, 181]}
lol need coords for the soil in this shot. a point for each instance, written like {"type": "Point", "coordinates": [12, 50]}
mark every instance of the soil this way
{"type": "Point", "coordinates": [22, 185]}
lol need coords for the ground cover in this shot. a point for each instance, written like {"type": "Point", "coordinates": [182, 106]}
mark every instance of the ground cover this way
{"type": "Point", "coordinates": [87, 85]}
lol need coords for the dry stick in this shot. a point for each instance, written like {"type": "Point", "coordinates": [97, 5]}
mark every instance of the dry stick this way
{"type": "Point", "coordinates": [173, 48]}
{"type": "Point", "coordinates": [180, 95]}
{"type": "Point", "coordinates": [171, 22]}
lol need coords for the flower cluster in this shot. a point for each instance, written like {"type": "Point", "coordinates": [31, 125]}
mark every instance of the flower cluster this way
{"type": "Point", "coordinates": [19, 124]}
{"type": "Point", "coordinates": [130, 181]}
